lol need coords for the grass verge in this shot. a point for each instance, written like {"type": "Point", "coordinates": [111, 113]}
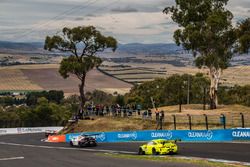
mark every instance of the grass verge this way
{"type": "Point", "coordinates": [170, 159]}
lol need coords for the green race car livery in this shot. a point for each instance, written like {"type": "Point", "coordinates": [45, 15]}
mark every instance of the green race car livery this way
{"type": "Point", "coordinates": [159, 147]}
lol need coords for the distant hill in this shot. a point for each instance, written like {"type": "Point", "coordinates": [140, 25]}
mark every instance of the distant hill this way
{"type": "Point", "coordinates": [161, 49]}
{"type": "Point", "coordinates": [150, 49]}
{"type": "Point", "coordinates": [32, 46]}
{"type": "Point", "coordinates": [132, 48]}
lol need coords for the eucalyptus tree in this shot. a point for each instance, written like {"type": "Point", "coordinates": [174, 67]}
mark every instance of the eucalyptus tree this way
{"type": "Point", "coordinates": [206, 29]}
{"type": "Point", "coordinates": [82, 43]}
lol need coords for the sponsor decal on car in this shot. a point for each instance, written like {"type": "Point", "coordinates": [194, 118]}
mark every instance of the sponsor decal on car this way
{"type": "Point", "coordinates": [208, 134]}
{"type": "Point", "coordinates": [167, 135]}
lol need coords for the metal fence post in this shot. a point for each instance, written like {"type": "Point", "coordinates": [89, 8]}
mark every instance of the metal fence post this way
{"type": "Point", "coordinates": [189, 121]}
{"type": "Point", "coordinates": [223, 120]}
{"type": "Point", "coordinates": [206, 122]}
{"type": "Point", "coordinates": [174, 121]}
{"type": "Point", "coordinates": [242, 120]}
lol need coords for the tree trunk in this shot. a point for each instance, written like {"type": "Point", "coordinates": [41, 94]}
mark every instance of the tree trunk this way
{"type": "Point", "coordinates": [81, 90]}
{"type": "Point", "coordinates": [215, 78]}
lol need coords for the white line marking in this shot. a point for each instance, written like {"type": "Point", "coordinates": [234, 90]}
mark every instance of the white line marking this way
{"type": "Point", "coordinates": [12, 158]}
{"type": "Point", "coordinates": [68, 148]}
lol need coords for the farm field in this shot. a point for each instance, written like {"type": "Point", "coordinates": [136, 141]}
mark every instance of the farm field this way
{"type": "Point", "coordinates": [139, 73]}
{"type": "Point", "coordinates": [46, 77]}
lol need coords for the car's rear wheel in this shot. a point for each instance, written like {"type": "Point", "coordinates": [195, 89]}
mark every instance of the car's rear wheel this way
{"type": "Point", "coordinates": [154, 151]}
{"type": "Point", "coordinates": [141, 152]}
{"type": "Point", "coordinates": [93, 144]}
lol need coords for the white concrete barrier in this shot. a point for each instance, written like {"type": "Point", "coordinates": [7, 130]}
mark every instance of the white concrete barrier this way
{"type": "Point", "coordinates": [22, 130]}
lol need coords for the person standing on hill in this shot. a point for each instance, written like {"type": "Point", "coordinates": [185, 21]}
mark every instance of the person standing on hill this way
{"type": "Point", "coordinates": [157, 118]}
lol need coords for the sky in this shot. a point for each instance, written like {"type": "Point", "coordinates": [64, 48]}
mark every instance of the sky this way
{"type": "Point", "coordinates": [129, 21]}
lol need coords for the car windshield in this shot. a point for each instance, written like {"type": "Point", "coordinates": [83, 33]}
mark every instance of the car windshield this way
{"type": "Point", "coordinates": [164, 142]}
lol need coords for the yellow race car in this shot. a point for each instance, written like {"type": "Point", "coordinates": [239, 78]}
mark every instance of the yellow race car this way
{"type": "Point", "coordinates": [159, 147]}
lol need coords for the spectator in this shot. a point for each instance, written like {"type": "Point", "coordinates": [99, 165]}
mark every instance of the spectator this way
{"type": "Point", "coordinates": [144, 115]}
{"type": "Point", "coordinates": [124, 111]}
{"type": "Point", "coordinates": [157, 117]}
{"type": "Point", "coordinates": [149, 113]}
{"type": "Point", "coordinates": [161, 119]}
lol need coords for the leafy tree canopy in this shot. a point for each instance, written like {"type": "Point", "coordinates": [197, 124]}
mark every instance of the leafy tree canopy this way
{"type": "Point", "coordinates": [82, 43]}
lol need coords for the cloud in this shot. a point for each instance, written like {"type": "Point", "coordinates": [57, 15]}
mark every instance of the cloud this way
{"type": "Point", "coordinates": [124, 9]}
{"type": "Point", "coordinates": [127, 20]}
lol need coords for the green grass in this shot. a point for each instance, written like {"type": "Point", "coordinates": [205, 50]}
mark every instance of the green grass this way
{"type": "Point", "coordinates": [170, 159]}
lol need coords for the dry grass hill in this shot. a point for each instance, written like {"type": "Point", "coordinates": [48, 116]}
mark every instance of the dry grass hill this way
{"type": "Point", "coordinates": [109, 123]}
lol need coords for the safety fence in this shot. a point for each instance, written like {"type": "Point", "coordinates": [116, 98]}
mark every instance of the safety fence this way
{"type": "Point", "coordinates": [207, 121]}
{"type": "Point", "coordinates": [183, 135]}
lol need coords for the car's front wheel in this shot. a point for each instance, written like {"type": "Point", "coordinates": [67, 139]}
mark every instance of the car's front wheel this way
{"type": "Point", "coordinates": [141, 152]}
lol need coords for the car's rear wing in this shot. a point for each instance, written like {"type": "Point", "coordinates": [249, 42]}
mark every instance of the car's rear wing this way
{"type": "Point", "coordinates": [173, 141]}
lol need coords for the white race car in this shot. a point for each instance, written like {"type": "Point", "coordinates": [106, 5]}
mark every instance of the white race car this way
{"type": "Point", "coordinates": [83, 141]}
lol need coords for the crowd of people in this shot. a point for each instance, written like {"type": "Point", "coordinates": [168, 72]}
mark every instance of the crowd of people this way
{"type": "Point", "coordinates": [122, 111]}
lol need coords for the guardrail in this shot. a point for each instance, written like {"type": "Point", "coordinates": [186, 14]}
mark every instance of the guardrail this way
{"type": "Point", "coordinates": [184, 135]}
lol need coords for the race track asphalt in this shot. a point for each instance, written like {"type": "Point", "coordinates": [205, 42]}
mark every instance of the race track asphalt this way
{"type": "Point", "coordinates": [29, 151]}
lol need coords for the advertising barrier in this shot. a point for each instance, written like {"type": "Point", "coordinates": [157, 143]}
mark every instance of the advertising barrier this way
{"type": "Point", "coordinates": [241, 134]}
{"type": "Point", "coordinates": [184, 135]}
{"type": "Point", "coordinates": [23, 130]}
{"type": "Point", "coordinates": [56, 139]}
